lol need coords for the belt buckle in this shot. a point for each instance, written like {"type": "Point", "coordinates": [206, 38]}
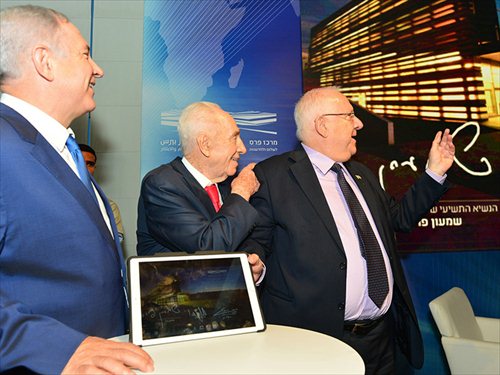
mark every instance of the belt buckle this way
{"type": "Point", "coordinates": [359, 328]}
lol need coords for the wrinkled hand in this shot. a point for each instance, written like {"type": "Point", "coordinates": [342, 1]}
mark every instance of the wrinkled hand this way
{"type": "Point", "coordinates": [246, 184]}
{"type": "Point", "coordinates": [256, 265]}
{"type": "Point", "coordinates": [100, 356]}
{"type": "Point", "coordinates": [442, 153]}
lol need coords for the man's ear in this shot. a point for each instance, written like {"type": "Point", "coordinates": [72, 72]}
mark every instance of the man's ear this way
{"type": "Point", "coordinates": [41, 58]}
{"type": "Point", "coordinates": [320, 126]}
{"type": "Point", "coordinates": [204, 144]}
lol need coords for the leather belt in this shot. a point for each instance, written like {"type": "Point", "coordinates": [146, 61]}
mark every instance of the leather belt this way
{"type": "Point", "coordinates": [361, 327]}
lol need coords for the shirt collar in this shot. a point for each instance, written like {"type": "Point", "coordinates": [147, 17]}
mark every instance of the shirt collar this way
{"type": "Point", "coordinates": [200, 177]}
{"type": "Point", "coordinates": [322, 162]}
{"type": "Point", "coordinates": [53, 131]}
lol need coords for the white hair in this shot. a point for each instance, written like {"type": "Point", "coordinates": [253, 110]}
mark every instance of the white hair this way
{"type": "Point", "coordinates": [20, 28]}
{"type": "Point", "coordinates": [309, 106]}
{"type": "Point", "coordinates": [195, 118]}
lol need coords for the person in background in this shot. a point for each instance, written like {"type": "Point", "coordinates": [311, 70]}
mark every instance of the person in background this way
{"type": "Point", "coordinates": [62, 286]}
{"type": "Point", "coordinates": [326, 234]}
{"type": "Point", "coordinates": [90, 158]}
{"type": "Point", "coordinates": [188, 204]}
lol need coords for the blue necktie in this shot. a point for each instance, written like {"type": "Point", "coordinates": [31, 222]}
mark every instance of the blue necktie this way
{"type": "Point", "coordinates": [80, 165]}
{"type": "Point", "coordinates": [378, 286]}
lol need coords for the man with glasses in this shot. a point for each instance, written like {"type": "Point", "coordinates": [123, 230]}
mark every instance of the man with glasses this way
{"type": "Point", "coordinates": [326, 235]}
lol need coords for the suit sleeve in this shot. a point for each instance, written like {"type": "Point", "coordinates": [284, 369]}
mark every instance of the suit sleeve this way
{"type": "Point", "coordinates": [37, 342]}
{"type": "Point", "coordinates": [415, 204]}
{"type": "Point", "coordinates": [42, 344]}
{"type": "Point", "coordinates": [178, 220]}
{"type": "Point", "coordinates": [259, 241]}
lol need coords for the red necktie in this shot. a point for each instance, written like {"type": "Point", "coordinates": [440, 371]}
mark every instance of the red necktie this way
{"type": "Point", "coordinates": [213, 193]}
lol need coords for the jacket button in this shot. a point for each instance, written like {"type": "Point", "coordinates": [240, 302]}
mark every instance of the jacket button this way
{"type": "Point", "coordinates": [342, 265]}
{"type": "Point", "coordinates": [341, 306]}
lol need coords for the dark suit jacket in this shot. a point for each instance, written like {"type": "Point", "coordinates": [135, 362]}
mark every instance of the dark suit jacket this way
{"type": "Point", "coordinates": [305, 283]}
{"type": "Point", "coordinates": [60, 268]}
{"type": "Point", "coordinates": [176, 214]}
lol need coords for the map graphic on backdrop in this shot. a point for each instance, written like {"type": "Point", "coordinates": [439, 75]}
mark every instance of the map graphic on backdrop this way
{"type": "Point", "coordinates": [238, 54]}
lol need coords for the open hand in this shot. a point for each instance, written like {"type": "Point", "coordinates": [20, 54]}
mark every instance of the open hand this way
{"type": "Point", "coordinates": [442, 153]}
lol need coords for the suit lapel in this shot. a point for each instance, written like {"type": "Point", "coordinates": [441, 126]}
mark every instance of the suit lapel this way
{"type": "Point", "coordinates": [45, 154]}
{"type": "Point", "coordinates": [193, 185]}
{"type": "Point", "coordinates": [303, 171]}
{"type": "Point", "coordinates": [118, 246]}
{"type": "Point", "coordinates": [109, 211]}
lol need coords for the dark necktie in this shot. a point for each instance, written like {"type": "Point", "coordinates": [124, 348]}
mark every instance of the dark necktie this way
{"type": "Point", "coordinates": [213, 193]}
{"type": "Point", "coordinates": [378, 286]}
{"type": "Point", "coordinates": [80, 165]}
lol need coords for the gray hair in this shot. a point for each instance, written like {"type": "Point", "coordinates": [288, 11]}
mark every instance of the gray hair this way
{"type": "Point", "coordinates": [308, 107]}
{"type": "Point", "coordinates": [21, 27]}
{"type": "Point", "coordinates": [195, 118]}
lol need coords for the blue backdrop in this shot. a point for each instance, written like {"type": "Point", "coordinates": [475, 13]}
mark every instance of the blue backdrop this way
{"type": "Point", "coordinates": [246, 56]}
{"type": "Point", "coordinates": [242, 55]}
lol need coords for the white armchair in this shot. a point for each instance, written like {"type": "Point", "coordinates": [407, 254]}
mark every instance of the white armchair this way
{"type": "Point", "coordinates": [471, 344]}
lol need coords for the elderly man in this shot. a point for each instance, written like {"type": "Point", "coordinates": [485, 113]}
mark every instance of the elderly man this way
{"type": "Point", "coordinates": [327, 235]}
{"type": "Point", "coordinates": [61, 284]}
{"type": "Point", "coordinates": [185, 205]}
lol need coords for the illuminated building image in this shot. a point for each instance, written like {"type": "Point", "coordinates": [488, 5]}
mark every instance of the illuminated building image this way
{"type": "Point", "coordinates": [434, 60]}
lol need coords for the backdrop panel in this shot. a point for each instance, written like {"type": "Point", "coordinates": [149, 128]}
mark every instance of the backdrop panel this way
{"type": "Point", "coordinates": [412, 68]}
{"type": "Point", "coordinates": [242, 55]}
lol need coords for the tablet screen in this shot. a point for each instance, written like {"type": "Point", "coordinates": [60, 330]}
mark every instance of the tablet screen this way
{"type": "Point", "coordinates": [176, 298]}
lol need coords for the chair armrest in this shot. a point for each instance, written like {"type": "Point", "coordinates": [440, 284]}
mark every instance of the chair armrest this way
{"type": "Point", "coordinates": [490, 328]}
{"type": "Point", "coordinates": [467, 356]}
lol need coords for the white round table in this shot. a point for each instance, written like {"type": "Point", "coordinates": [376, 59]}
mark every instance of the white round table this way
{"type": "Point", "coordinates": [277, 350]}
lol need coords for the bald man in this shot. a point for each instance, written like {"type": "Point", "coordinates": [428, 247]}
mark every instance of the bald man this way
{"type": "Point", "coordinates": [316, 248]}
{"type": "Point", "coordinates": [177, 213]}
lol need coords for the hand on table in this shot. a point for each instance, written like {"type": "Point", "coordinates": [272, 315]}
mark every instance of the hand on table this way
{"type": "Point", "coordinates": [99, 356]}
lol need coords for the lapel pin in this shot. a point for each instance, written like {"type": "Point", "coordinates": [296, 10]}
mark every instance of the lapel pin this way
{"type": "Point", "coordinates": [358, 176]}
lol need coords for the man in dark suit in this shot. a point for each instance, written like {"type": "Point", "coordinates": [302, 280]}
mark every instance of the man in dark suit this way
{"type": "Point", "coordinates": [61, 270]}
{"type": "Point", "coordinates": [176, 211]}
{"type": "Point", "coordinates": [316, 270]}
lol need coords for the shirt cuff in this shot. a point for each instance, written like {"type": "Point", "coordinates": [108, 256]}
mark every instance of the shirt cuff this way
{"type": "Point", "coordinates": [439, 179]}
{"type": "Point", "coordinates": [262, 275]}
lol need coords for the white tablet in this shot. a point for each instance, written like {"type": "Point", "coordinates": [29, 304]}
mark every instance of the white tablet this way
{"type": "Point", "coordinates": [185, 297]}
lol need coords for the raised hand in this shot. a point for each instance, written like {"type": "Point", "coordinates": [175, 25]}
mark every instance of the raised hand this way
{"type": "Point", "coordinates": [441, 153]}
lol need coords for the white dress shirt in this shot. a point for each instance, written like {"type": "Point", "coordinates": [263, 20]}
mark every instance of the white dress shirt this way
{"type": "Point", "coordinates": [54, 133]}
{"type": "Point", "coordinates": [200, 177]}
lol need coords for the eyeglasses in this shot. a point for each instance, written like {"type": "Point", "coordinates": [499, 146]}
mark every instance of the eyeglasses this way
{"type": "Point", "coordinates": [349, 116]}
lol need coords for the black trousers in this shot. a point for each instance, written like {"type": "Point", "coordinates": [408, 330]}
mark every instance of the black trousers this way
{"type": "Point", "coordinates": [376, 347]}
